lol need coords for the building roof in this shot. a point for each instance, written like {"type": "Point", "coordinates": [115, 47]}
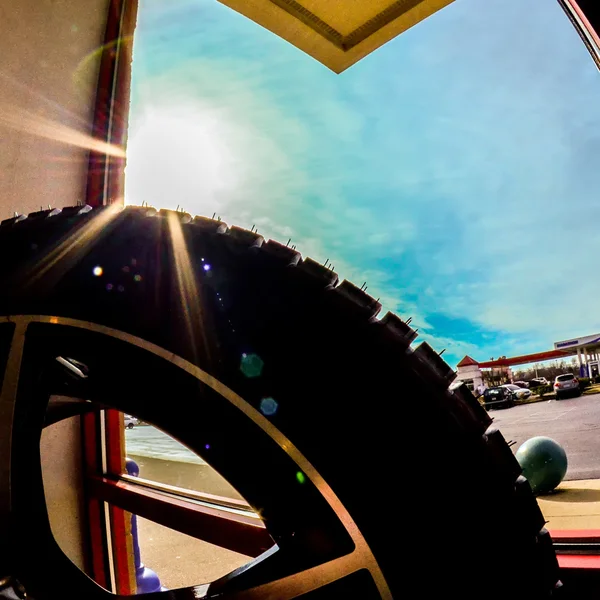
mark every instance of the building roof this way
{"type": "Point", "coordinates": [467, 361]}
{"type": "Point", "coordinates": [337, 33]}
{"type": "Point", "coordinates": [525, 359]}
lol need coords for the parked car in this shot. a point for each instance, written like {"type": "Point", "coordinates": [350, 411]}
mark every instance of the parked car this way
{"type": "Point", "coordinates": [521, 384]}
{"type": "Point", "coordinates": [538, 381]}
{"type": "Point", "coordinates": [131, 422]}
{"type": "Point", "coordinates": [565, 385]}
{"type": "Point", "coordinates": [518, 393]}
{"type": "Point", "coordinates": [498, 397]}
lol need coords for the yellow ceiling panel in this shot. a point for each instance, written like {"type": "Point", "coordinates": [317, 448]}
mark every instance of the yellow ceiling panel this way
{"type": "Point", "coordinates": [346, 15]}
{"type": "Point", "coordinates": [337, 33]}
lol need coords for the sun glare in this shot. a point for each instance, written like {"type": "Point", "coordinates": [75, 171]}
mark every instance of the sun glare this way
{"type": "Point", "coordinates": [182, 157]}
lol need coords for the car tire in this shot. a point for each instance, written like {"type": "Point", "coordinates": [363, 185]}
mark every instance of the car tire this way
{"type": "Point", "coordinates": [353, 409]}
{"type": "Point", "coordinates": [130, 426]}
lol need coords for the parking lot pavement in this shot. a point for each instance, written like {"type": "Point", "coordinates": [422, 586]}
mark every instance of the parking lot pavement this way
{"type": "Point", "coordinates": [574, 423]}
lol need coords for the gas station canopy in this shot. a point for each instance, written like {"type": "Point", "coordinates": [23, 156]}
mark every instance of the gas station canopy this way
{"type": "Point", "coordinates": [586, 341]}
{"type": "Point", "coordinates": [337, 33]}
{"type": "Point", "coordinates": [587, 348]}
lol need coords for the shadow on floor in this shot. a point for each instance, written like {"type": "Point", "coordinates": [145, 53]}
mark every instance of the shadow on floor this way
{"type": "Point", "coordinates": [573, 495]}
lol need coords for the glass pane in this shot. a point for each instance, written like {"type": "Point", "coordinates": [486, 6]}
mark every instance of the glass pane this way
{"type": "Point", "coordinates": [453, 177]}
{"type": "Point", "coordinates": [180, 560]}
{"type": "Point", "coordinates": [162, 459]}
{"type": "Point", "coordinates": [553, 401]}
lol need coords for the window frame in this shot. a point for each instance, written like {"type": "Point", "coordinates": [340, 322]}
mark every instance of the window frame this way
{"type": "Point", "coordinates": [106, 173]}
{"type": "Point", "coordinates": [586, 20]}
{"type": "Point", "coordinates": [112, 496]}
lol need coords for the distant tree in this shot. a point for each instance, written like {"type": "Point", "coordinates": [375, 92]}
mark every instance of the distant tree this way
{"type": "Point", "coordinates": [549, 370]}
{"type": "Point", "coordinates": [495, 377]}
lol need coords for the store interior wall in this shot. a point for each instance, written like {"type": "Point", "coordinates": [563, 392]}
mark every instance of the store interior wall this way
{"type": "Point", "coordinates": [50, 53]}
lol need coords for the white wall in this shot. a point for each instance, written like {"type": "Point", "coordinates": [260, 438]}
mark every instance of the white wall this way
{"type": "Point", "coordinates": [471, 375]}
{"type": "Point", "coordinates": [48, 76]}
{"type": "Point", "coordinates": [63, 480]}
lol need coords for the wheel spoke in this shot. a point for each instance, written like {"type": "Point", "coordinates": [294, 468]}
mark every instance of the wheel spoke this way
{"type": "Point", "coordinates": [8, 397]}
{"type": "Point", "coordinates": [297, 584]}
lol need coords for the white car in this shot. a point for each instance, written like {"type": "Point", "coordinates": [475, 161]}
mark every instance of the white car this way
{"type": "Point", "coordinates": [518, 393]}
{"type": "Point", "coordinates": [131, 422]}
{"type": "Point", "coordinates": [538, 381]}
{"type": "Point", "coordinates": [566, 384]}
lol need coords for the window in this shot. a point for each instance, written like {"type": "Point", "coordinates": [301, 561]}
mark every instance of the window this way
{"type": "Point", "coordinates": [180, 560]}
{"type": "Point", "coordinates": [405, 166]}
{"type": "Point", "coordinates": [431, 181]}
{"type": "Point", "coordinates": [568, 377]}
{"type": "Point", "coordinates": [165, 557]}
{"type": "Point", "coordinates": [172, 520]}
{"type": "Point", "coordinates": [163, 460]}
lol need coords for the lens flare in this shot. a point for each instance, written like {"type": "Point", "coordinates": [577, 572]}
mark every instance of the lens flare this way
{"type": "Point", "coordinates": [69, 251]}
{"type": "Point", "coordinates": [84, 76]}
{"type": "Point", "coordinates": [268, 406]}
{"type": "Point", "coordinates": [251, 365]}
{"type": "Point", "coordinates": [189, 295]}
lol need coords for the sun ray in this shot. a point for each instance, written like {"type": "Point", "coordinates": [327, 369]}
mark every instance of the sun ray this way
{"type": "Point", "coordinates": [67, 252]}
{"type": "Point", "coordinates": [20, 119]}
{"type": "Point", "coordinates": [189, 295]}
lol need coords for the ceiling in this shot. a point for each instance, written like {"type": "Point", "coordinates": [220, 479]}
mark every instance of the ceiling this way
{"type": "Point", "coordinates": [337, 33]}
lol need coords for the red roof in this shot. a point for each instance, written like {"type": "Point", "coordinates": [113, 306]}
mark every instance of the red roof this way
{"type": "Point", "coordinates": [527, 358]}
{"type": "Point", "coordinates": [467, 361]}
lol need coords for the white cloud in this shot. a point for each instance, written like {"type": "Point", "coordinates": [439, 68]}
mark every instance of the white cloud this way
{"type": "Point", "coordinates": [485, 209]}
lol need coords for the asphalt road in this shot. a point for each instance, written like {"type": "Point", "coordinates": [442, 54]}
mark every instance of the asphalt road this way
{"type": "Point", "coordinates": [574, 423]}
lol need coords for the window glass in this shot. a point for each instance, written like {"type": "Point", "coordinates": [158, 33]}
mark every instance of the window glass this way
{"type": "Point", "coordinates": [164, 460]}
{"type": "Point", "coordinates": [180, 560]}
{"type": "Point", "coordinates": [450, 169]}
{"type": "Point", "coordinates": [144, 553]}
{"type": "Point", "coordinates": [568, 377]}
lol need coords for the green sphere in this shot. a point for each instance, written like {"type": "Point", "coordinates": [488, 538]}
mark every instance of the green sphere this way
{"type": "Point", "coordinates": [544, 463]}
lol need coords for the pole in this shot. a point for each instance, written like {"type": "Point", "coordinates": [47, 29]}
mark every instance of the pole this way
{"type": "Point", "coordinates": [146, 579]}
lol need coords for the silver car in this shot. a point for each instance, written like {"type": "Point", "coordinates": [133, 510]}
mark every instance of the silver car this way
{"type": "Point", "coordinates": [131, 422]}
{"type": "Point", "coordinates": [566, 384]}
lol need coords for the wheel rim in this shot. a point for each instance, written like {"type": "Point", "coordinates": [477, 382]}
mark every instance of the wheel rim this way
{"type": "Point", "coordinates": [283, 572]}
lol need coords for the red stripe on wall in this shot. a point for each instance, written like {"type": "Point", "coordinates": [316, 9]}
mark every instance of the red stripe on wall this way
{"type": "Point", "coordinates": [98, 551]}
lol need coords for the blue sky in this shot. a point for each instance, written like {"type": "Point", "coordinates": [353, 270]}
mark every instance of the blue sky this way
{"type": "Point", "coordinates": [454, 169]}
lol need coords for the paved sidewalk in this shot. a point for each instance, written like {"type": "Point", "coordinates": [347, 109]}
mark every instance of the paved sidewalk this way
{"type": "Point", "coordinates": [181, 560]}
{"type": "Point", "coordinates": [573, 505]}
